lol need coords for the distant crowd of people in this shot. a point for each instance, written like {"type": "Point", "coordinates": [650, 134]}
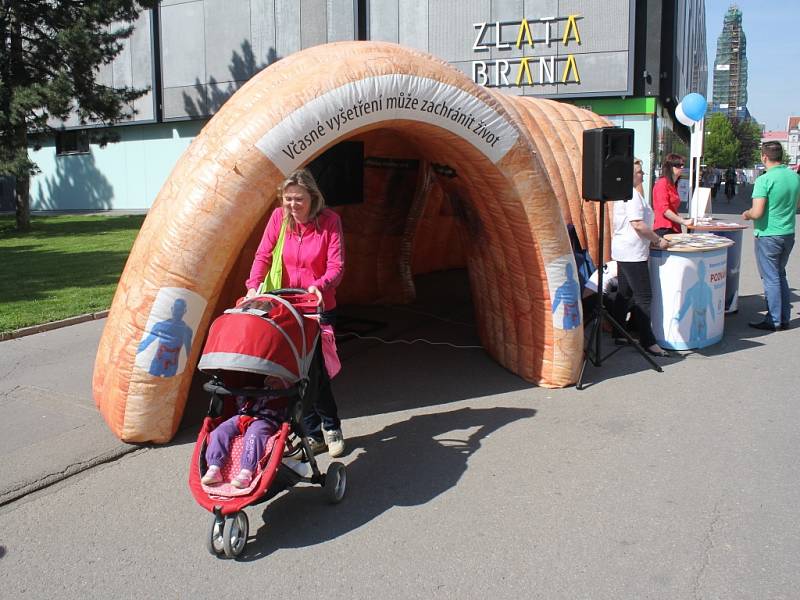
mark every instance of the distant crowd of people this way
{"type": "Point", "coordinates": [730, 178]}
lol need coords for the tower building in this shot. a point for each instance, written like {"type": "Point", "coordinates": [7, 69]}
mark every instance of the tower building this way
{"type": "Point", "coordinates": [730, 68]}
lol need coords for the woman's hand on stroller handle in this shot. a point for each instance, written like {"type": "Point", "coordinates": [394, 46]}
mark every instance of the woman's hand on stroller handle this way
{"type": "Point", "coordinates": [312, 289]}
{"type": "Point", "coordinates": [313, 295]}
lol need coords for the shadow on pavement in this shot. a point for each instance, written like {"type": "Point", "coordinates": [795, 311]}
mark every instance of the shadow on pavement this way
{"type": "Point", "coordinates": [407, 377]}
{"type": "Point", "coordinates": [737, 336]}
{"type": "Point", "coordinates": [621, 364]}
{"type": "Point", "coordinates": [405, 464]}
{"type": "Point", "coordinates": [377, 377]}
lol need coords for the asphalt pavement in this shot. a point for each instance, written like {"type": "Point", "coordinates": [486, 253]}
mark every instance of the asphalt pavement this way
{"type": "Point", "coordinates": [465, 481]}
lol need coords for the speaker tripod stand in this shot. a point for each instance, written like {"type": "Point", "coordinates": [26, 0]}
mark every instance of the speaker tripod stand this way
{"type": "Point", "coordinates": [592, 351]}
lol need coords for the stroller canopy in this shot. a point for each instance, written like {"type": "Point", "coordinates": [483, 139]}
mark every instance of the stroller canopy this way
{"type": "Point", "coordinates": [268, 335]}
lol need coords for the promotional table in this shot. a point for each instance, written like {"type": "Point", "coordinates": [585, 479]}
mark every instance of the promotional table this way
{"type": "Point", "coordinates": [732, 231]}
{"type": "Point", "coordinates": [688, 282]}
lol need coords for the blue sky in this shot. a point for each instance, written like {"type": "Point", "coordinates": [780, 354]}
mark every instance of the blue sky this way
{"type": "Point", "coordinates": [773, 55]}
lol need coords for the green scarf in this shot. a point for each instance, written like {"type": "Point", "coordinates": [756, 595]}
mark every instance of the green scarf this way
{"type": "Point", "coordinates": [273, 279]}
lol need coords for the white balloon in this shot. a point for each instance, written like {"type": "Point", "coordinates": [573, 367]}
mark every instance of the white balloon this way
{"type": "Point", "coordinates": [681, 116]}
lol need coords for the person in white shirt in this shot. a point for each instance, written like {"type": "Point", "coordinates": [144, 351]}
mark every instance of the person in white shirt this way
{"type": "Point", "coordinates": [630, 248]}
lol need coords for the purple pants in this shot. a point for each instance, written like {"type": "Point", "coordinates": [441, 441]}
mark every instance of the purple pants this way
{"type": "Point", "coordinates": [255, 439]}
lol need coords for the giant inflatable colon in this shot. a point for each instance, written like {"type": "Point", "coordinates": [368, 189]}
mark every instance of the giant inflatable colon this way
{"type": "Point", "coordinates": [495, 180]}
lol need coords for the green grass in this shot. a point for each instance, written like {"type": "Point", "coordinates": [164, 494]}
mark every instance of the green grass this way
{"type": "Point", "coordinates": [65, 266]}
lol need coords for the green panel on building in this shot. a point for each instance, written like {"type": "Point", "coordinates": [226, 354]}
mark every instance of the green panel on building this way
{"type": "Point", "coordinates": [617, 106]}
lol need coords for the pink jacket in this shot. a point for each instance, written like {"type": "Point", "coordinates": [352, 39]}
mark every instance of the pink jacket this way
{"type": "Point", "coordinates": [312, 255]}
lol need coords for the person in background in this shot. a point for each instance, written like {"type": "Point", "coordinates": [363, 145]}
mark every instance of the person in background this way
{"type": "Point", "coordinates": [705, 177]}
{"type": "Point", "coordinates": [666, 200]}
{"type": "Point", "coordinates": [313, 259]}
{"type": "Point", "coordinates": [710, 180]}
{"type": "Point", "coordinates": [717, 180]}
{"type": "Point", "coordinates": [730, 183]}
{"type": "Point", "coordinates": [630, 248]}
{"type": "Point", "coordinates": [776, 198]}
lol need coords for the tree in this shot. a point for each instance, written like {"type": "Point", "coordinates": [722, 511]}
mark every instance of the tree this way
{"type": "Point", "coordinates": [50, 55]}
{"type": "Point", "coordinates": [721, 146]}
{"type": "Point", "coordinates": [749, 135]}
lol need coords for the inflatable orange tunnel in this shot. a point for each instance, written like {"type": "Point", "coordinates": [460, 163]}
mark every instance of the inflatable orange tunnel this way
{"type": "Point", "coordinates": [495, 179]}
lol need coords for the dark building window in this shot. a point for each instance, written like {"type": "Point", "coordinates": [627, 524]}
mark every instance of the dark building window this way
{"type": "Point", "coordinates": [72, 142]}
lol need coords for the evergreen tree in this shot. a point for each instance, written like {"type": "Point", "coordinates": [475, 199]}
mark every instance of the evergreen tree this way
{"type": "Point", "coordinates": [50, 55]}
{"type": "Point", "coordinates": [721, 146]}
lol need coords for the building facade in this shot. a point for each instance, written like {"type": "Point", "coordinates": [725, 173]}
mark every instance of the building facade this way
{"type": "Point", "coordinates": [629, 60]}
{"type": "Point", "coordinates": [793, 141]}
{"type": "Point", "coordinates": [730, 68]}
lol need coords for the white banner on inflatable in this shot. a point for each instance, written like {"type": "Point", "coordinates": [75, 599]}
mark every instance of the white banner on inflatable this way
{"type": "Point", "coordinates": [688, 305]}
{"type": "Point", "coordinates": [305, 131]}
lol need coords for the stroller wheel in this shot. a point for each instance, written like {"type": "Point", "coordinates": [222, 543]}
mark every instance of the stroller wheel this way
{"type": "Point", "coordinates": [214, 540]}
{"type": "Point", "coordinates": [335, 482]}
{"type": "Point", "coordinates": [234, 536]}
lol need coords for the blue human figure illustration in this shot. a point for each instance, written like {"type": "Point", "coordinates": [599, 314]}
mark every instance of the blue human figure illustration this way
{"type": "Point", "coordinates": [700, 300]}
{"type": "Point", "coordinates": [568, 294]}
{"type": "Point", "coordinates": [172, 335]}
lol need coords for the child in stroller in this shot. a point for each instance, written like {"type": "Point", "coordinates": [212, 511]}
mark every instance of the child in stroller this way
{"type": "Point", "coordinates": [266, 355]}
{"type": "Point", "coordinates": [258, 419]}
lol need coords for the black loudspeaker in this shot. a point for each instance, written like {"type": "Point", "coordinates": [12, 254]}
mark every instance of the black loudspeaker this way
{"type": "Point", "coordinates": [608, 164]}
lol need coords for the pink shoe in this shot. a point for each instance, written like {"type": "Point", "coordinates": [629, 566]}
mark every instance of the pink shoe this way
{"type": "Point", "coordinates": [243, 479]}
{"type": "Point", "coordinates": [212, 476]}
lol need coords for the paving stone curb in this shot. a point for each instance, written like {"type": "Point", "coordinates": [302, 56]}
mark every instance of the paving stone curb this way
{"type": "Point", "coordinates": [18, 333]}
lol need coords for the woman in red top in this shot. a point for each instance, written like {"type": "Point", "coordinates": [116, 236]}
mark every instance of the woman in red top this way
{"type": "Point", "coordinates": [666, 199]}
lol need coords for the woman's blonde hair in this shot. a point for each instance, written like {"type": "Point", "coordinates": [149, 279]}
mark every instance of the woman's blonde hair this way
{"type": "Point", "coordinates": [304, 179]}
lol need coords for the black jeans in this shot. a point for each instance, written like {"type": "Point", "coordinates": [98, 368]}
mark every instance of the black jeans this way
{"type": "Point", "coordinates": [634, 294]}
{"type": "Point", "coordinates": [323, 412]}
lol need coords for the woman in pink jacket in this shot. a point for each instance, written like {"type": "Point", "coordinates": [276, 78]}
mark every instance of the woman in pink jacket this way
{"type": "Point", "coordinates": [313, 259]}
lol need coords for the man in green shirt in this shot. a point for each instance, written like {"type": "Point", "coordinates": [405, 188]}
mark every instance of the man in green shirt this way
{"type": "Point", "coordinates": [776, 196]}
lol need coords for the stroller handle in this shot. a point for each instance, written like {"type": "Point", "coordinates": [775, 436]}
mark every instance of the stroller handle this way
{"type": "Point", "coordinates": [317, 309]}
{"type": "Point", "coordinates": [214, 387]}
{"type": "Point", "coordinates": [282, 291]}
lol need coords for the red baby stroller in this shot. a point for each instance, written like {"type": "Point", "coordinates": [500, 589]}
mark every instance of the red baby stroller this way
{"type": "Point", "coordinates": [275, 335]}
